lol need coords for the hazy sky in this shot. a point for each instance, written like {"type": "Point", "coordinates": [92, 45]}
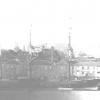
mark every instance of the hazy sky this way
{"type": "Point", "coordinates": [50, 20]}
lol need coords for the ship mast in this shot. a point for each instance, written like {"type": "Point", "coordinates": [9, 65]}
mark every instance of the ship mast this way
{"type": "Point", "coordinates": [70, 51]}
{"type": "Point", "coordinates": [30, 41]}
{"type": "Point", "coordinates": [30, 52]}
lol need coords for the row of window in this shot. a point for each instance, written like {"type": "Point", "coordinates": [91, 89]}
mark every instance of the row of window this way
{"type": "Point", "coordinates": [86, 68]}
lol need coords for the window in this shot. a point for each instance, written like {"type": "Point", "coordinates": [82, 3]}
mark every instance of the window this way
{"type": "Point", "coordinates": [82, 67]}
{"type": "Point", "coordinates": [85, 67]}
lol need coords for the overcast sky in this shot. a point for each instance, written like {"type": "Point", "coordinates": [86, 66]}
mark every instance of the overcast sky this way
{"type": "Point", "coordinates": [50, 22]}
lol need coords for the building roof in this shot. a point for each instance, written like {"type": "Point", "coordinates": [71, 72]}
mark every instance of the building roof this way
{"type": "Point", "coordinates": [87, 63]}
{"type": "Point", "coordinates": [40, 62]}
{"type": "Point", "coordinates": [62, 62]}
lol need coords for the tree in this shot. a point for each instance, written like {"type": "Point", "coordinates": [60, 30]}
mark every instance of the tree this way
{"type": "Point", "coordinates": [7, 55]}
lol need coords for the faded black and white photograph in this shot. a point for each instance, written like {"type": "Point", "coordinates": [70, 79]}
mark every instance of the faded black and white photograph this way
{"type": "Point", "coordinates": [49, 49]}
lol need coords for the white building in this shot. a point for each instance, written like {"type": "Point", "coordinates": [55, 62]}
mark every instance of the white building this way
{"type": "Point", "coordinates": [86, 70]}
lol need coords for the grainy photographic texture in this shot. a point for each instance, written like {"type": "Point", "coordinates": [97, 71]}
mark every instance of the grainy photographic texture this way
{"type": "Point", "coordinates": [49, 50]}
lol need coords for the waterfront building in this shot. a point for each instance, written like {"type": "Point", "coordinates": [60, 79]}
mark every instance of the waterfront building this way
{"type": "Point", "coordinates": [86, 69]}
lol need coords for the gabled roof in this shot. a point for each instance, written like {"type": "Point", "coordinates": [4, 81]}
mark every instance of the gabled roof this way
{"type": "Point", "coordinates": [40, 62]}
{"type": "Point", "coordinates": [14, 61]}
{"type": "Point", "coordinates": [62, 62]}
{"type": "Point", "coordinates": [88, 63]}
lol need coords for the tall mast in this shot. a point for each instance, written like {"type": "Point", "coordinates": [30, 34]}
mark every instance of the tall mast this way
{"type": "Point", "coordinates": [30, 41]}
{"type": "Point", "coordinates": [70, 29]}
{"type": "Point", "coordinates": [70, 51]}
{"type": "Point", "coordinates": [30, 51]}
{"type": "Point", "coordinates": [69, 57]}
{"type": "Point", "coordinates": [69, 43]}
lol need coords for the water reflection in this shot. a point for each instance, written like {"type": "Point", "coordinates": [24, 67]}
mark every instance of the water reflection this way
{"type": "Point", "coordinates": [88, 95]}
{"type": "Point", "coordinates": [48, 95]}
{"type": "Point", "coordinates": [54, 95]}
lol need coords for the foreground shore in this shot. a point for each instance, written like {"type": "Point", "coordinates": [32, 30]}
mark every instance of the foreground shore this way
{"type": "Point", "coordinates": [35, 85]}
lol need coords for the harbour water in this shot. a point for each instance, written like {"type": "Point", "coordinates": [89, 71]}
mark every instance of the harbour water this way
{"type": "Point", "coordinates": [48, 94]}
